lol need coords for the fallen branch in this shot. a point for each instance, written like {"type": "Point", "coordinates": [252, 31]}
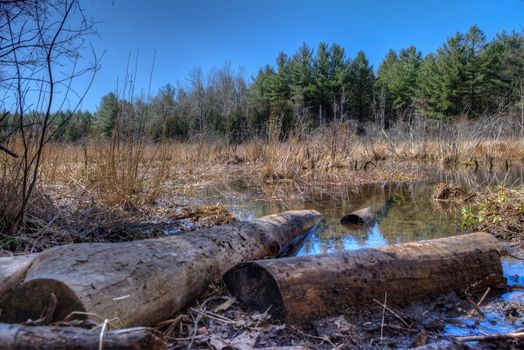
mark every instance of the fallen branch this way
{"type": "Point", "coordinates": [22, 337]}
{"type": "Point", "coordinates": [492, 337]}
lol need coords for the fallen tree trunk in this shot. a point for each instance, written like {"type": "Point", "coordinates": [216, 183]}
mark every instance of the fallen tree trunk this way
{"type": "Point", "coordinates": [301, 289]}
{"type": "Point", "coordinates": [368, 215]}
{"type": "Point", "coordinates": [13, 270]}
{"type": "Point", "coordinates": [19, 337]}
{"type": "Point", "coordinates": [144, 282]}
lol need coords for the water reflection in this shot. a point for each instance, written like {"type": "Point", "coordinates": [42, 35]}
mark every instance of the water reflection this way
{"type": "Point", "coordinates": [497, 311]}
{"type": "Point", "coordinates": [412, 217]}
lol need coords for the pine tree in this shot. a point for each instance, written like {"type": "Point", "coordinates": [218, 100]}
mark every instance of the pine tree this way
{"type": "Point", "coordinates": [323, 85]}
{"type": "Point", "coordinates": [107, 113]}
{"type": "Point", "coordinates": [362, 95]}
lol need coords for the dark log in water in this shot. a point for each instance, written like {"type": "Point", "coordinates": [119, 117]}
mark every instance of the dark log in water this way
{"type": "Point", "coordinates": [301, 289]}
{"type": "Point", "coordinates": [143, 282]}
{"type": "Point", "coordinates": [21, 337]}
{"type": "Point", "coordinates": [368, 215]}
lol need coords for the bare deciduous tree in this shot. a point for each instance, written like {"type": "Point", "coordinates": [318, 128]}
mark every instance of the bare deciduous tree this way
{"type": "Point", "coordinates": [41, 42]}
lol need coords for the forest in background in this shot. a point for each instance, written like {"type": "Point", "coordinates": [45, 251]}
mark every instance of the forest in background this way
{"type": "Point", "coordinates": [315, 118]}
{"type": "Point", "coordinates": [469, 77]}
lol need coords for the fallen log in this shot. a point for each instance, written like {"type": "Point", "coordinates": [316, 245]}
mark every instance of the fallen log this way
{"type": "Point", "coordinates": [517, 336]}
{"type": "Point", "coordinates": [144, 282]}
{"type": "Point", "coordinates": [368, 215]}
{"type": "Point", "coordinates": [13, 270]}
{"type": "Point", "coordinates": [301, 289]}
{"type": "Point", "coordinates": [20, 337]}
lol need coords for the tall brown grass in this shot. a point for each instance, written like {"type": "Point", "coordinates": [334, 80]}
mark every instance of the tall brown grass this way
{"type": "Point", "coordinates": [94, 186]}
{"type": "Point", "coordinates": [122, 174]}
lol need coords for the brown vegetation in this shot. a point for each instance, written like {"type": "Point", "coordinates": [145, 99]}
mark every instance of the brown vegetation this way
{"type": "Point", "coordinates": [111, 191]}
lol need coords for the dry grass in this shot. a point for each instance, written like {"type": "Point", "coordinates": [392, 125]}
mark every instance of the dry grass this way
{"type": "Point", "coordinates": [103, 190]}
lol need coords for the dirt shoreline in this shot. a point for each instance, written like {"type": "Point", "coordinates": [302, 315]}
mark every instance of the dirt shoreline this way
{"type": "Point", "coordinates": [217, 320]}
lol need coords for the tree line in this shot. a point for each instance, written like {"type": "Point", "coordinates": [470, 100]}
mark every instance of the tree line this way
{"type": "Point", "coordinates": [468, 75]}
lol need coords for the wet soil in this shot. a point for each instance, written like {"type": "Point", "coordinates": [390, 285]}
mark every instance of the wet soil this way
{"type": "Point", "coordinates": [219, 322]}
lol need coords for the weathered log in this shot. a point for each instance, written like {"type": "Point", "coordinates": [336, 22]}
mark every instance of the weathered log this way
{"type": "Point", "coordinates": [20, 337]}
{"type": "Point", "coordinates": [13, 270]}
{"type": "Point", "coordinates": [301, 289]}
{"type": "Point", "coordinates": [144, 282]}
{"type": "Point", "coordinates": [368, 215]}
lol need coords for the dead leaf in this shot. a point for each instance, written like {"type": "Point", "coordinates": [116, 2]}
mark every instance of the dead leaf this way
{"type": "Point", "coordinates": [225, 305]}
{"type": "Point", "coordinates": [245, 341]}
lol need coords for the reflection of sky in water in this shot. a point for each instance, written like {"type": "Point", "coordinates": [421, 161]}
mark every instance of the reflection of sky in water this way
{"type": "Point", "coordinates": [495, 321]}
{"type": "Point", "coordinates": [316, 243]}
{"type": "Point", "coordinates": [414, 216]}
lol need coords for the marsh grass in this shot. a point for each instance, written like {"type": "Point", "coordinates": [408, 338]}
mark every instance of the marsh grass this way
{"type": "Point", "coordinates": [99, 190]}
{"type": "Point", "coordinates": [498, 210]}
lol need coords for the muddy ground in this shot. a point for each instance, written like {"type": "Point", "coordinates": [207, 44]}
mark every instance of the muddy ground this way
{"type": "Point", "coordinates": [218, 322]}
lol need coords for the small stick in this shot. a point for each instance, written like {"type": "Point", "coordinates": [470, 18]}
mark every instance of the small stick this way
{"type": "Point", "coordinates": [383, 314]}
{"type": "Point", "coordinates": [393, 313]}
{"type": "Point", "coordinates": [514, 287]}
{"type": "Point", "coordinates": [492, 337]}
{"type": "Point", "coordinates": [101, 339]}
{"type": "Point", "coordinates": [477, 306]}
{"type": "Point", "coordinates": [211, 316]}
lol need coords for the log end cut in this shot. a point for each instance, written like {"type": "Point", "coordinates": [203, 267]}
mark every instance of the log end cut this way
{"type": "Point", "coordinates": [39, 298]}
{"type": "Point", "coordinates": [255, 288]}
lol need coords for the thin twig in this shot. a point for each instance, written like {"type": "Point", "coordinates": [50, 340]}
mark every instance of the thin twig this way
{"type": "Point", "coordinates": [492, 337]}
{"type": "Point", "coordinates": [383, 315]}
{"type": "Point", "coordinates": [477, 305]}
{"type": "Point", "coordinates": [101, 338]}
{"type": "Point", "coordinates": [393, 313]}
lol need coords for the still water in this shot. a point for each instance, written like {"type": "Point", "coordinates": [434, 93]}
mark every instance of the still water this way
{"type": "Point", "coordinates": [408, 214]}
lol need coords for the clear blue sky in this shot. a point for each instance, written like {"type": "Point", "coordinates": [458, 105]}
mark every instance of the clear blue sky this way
{"type": "Point", "coordinates": [248, 33]}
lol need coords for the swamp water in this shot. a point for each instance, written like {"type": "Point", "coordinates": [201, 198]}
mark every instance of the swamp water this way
{"type": "Point", "coordinates": [410, 215]}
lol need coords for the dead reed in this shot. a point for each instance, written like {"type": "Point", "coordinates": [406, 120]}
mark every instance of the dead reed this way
{"type": "Point", "coordinates": [102, 189]}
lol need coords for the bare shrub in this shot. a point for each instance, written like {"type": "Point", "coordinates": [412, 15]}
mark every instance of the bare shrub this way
{"type": "Point", "coordinates": [39, 61]}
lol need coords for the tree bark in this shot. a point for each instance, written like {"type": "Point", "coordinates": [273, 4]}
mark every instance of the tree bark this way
{"type": "Point", "coordinates": [144, 282]}
{"type": "Point", "coordinates": [301, 289]}
{"type": "Point", "coordinates": [19, 337]}
{"type": "Point", "coordinates": [13, 270]}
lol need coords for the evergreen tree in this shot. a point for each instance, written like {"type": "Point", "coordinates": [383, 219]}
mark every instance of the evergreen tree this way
{"type": "Point", "coordinates": [323, 84]}
{"type": "Point", "coordinates": [107, 113]}
{"type": "Point", "coordinates": [362, 95]}
{"type": "Point", "coordinates": [259, 100]}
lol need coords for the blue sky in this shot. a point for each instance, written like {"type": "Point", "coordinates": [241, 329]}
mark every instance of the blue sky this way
{"type": "Point", "coordinates": [204, 33]}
